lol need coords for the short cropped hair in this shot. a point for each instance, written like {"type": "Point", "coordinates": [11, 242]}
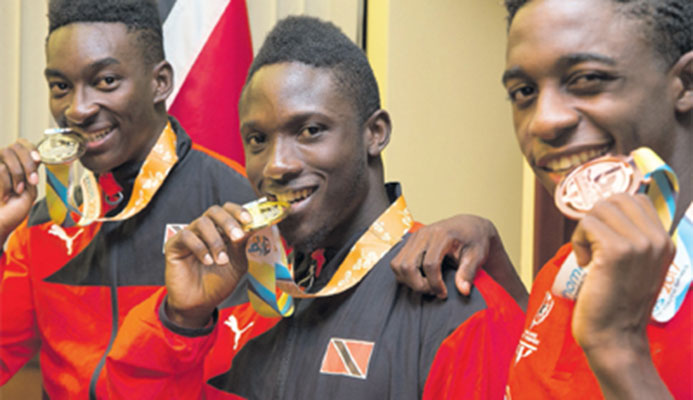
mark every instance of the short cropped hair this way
{"type": "Point", "coordinates": [322, 45]}
{"type": "Point", "coordinates": [139, 16]}
{"type": "Point", "coordinates": [669, 23]}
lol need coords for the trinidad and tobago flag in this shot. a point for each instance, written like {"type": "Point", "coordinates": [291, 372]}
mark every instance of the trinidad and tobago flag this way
{"type": "Point", "coordinates": [208, 43]}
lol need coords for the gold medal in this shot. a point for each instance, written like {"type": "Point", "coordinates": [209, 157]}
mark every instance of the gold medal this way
{"type": "Point", "coordinates": [593, 181]}
{"type": "Point", "coordinates": [60, 146]}
{"type": "Point", "coordinates": [265, 213]}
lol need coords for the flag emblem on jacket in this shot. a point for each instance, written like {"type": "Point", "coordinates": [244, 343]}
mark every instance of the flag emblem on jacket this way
{"type": "Point", "coordinates": [171, 229]}
{"type": "Point", "coordinates": [347, 357]}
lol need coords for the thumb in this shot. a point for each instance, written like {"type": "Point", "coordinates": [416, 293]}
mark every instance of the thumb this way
{"type": "Point", "coordinates": [470, 262]}
{"type": "Point", "coordinates": [582, 247]}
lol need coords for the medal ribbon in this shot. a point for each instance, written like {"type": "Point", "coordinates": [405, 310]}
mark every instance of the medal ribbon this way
{"type": "Point", "coordinates": [63, 208]}
{"type": "Point", "coordinates": [661, 186]}
{"type": "Point", "coordinates": [271, 276]}
{"type": "Point", "coordinates": [58, 182]}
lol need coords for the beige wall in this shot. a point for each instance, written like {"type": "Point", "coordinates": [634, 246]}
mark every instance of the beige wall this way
{"type": "Point", "coordinates": [453, 146]}
{"type": "Point", "coordinates": [24, 93]}
{"type": "Point", "coordinates": [262, 14]}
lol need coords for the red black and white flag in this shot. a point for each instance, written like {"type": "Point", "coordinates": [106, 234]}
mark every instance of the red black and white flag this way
{"type": "Point", "coordinates": [208, 43]}
{"type": "Point", "coordinates": [347, 357]}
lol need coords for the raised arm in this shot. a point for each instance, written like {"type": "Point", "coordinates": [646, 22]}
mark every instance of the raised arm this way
{"type": "Point", "coordinates": [628, 252]}
{"type": "Point", "coordinates": [161, 348]}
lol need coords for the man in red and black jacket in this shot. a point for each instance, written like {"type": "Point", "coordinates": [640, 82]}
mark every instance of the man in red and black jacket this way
{"type": "Point", "coordinates": [313, 132]}
{"type": "Point", "coordinates": [66, 289]}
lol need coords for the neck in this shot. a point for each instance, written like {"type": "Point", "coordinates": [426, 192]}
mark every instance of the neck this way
{"type": "Point", "coordinates": [683, 200]}
{"type": "Point", "coordinates": [680, 161]}
{"type": "Point", "coordinates": [373, 205]}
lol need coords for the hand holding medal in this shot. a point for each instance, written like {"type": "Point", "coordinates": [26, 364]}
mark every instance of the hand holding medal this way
{"type": "Point", "coordinates": [19, 173]}
{"type": "Point", "coordinates": [206, 260]}
{"type": "Point", "coordinates": [576, 195]}
{"type": "Point", "coordinates": [625, 206]}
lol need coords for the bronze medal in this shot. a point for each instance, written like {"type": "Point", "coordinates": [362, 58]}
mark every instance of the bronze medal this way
{"type": "Point", "coordinates": [60, 146]}
{"type": "Point", "coordinates": [595, 180]}
{"type": "Point", "coordinates": [265, 213]}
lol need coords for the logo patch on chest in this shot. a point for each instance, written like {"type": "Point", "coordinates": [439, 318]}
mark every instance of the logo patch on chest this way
{"type": "Point", "coordinates": [171, 229]}
{"type": "Point", "coordinates": [347, 357]}
{"type": "Point", "coordinates": [59, 232]}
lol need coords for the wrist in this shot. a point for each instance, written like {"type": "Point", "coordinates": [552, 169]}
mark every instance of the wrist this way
{"type": "Point", "coordinates": [626, 369]}
{"type": "Point", "coordinates": [189, 319]}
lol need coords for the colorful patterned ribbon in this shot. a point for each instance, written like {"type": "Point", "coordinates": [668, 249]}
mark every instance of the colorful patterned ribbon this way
{"type": "Point", "coordinates": [271, 276]}
{"type": "Point", "coordinates": [58, 183]}
{"type": "Point", "coordinates": [661, 186]}
{"type": "Point", "coordinates": [63, 207]}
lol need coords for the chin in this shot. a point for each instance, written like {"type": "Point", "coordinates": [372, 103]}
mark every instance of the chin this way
{"type": "Point", "coordinates": [304, 242]}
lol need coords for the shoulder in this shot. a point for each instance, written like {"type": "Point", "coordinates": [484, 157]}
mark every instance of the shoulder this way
{"type": "Point", "coordinates": [496, 297]}
{"type": "Point", "coordinates": [218, 159]}
{"type": "Point", "coordinates": [222, 175]}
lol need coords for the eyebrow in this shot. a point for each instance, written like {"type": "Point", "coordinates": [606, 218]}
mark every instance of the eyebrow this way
{"type": "Point", "coordinates": [562, 63]}
{"type": "Point", "coordinates": [95, 66]}
{"type": "Point", "coordinates": [293, 122]}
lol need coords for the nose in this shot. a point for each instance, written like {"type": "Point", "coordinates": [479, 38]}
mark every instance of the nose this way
{"type": "Point", "coordinates": [284, 162]}
{"type": "Point", "coordinates": [553, 117]}
{"type": "Point", "coordinates": [81, 107]}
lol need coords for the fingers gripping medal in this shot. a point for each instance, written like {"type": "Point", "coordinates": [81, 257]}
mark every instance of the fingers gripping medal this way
{"type": "Point", "coordinates": [267, 258]}
{"type": "Point", "coordinates": [575, 196]}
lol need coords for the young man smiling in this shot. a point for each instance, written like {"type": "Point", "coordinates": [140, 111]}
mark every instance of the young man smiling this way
{"type": "Point", "coordinates": [65, 289]}
{"type": "Point", "coordinates": [588, 78]}
{"type": "Point", "coordinates": [593, 77]}
{"type": "Point", "coordinates": [314, 132]}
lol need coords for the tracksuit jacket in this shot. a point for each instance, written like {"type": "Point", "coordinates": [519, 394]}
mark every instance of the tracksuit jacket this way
{"type": "Point", "coordinates": [66, 291]}
{"type": "Point", "coordinates": [377, 340]}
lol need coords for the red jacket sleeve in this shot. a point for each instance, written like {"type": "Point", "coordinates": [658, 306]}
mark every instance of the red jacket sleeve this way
{"type": "Point", "coordinates": [19, 339]}
{"type": "Point", "coordinates": [148, 361]}
{"type": "Point", "coordinates": [472, 363]}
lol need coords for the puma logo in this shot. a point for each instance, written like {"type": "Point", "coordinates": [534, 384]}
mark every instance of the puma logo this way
{"type": "Point", "coordinates": [56, 230]}
{"type": "Point", "coordinates": [232, 323]}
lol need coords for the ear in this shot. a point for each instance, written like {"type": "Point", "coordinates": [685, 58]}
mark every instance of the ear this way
{"type": "Point", "coordinates": [162, 74]}
{"type": "Point", "coordinates": [683, 71]}
{"type": "Point", "coordinates": [377, 132]}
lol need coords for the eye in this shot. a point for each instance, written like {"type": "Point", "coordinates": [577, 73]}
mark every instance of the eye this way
{"type": "Point", "coordinates": [58, 88]}
{"type": "Point", "coordinates": [590, 82]}
{"type": "Point", "coordinates": [108, 82]}
{"type": "Point", "coordinates": [311, 131]}
{"type": "Point", "coordinates": [521, 95]}
{"type": "Point", "coordinates": [255, 141]}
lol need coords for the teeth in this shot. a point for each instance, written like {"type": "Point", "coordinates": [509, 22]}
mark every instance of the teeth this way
{"type": "Point", "coordinates": [93, 136]}
{"type": "Point", "coordinates": [294, 196]}
{"type": "Point", "coordinates": [573, 160]}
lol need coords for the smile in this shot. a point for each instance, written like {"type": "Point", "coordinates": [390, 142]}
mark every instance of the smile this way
{"type": "Point", "coordinates": [97, 135]}
{"type": "Point", "coordinates": [292, 196]}
{"type": "Point", "coordinates": [568, 162]}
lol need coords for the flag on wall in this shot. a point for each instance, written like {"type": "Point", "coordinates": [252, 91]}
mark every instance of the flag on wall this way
{"type": "Point", "coordinates": [208, 43]}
